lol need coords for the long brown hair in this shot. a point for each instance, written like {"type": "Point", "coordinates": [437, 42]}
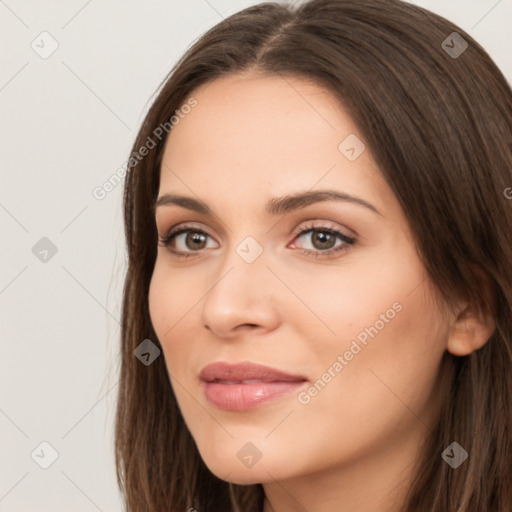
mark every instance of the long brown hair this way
{"type": "Point", "coordinates": [439, 126]}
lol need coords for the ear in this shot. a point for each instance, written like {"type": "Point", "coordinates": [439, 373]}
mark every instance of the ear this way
{"type": "Point", "coordinates": [470, 330]}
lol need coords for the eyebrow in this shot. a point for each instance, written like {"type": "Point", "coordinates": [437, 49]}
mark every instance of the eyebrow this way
{"type": "Point", "coordinates": [275, 206]}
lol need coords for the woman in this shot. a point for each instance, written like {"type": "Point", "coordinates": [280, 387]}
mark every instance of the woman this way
{"type": "Point", "coordinates": [320, 270]}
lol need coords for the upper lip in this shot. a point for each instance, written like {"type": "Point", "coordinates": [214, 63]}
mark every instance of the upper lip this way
{"type": "Point", "coordinates": [223, 371]}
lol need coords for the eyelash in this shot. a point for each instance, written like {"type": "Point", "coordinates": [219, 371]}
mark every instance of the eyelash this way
{"type": "Point", "coordinates": [348, 241]}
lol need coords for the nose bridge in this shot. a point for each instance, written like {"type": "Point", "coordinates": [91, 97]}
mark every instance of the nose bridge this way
{"type": "Point", "coordinates": [241, 273]}
{"type": "Point", "coordinates": [245, 258]}
{"type": "Point", "coordinates": [238, 294]}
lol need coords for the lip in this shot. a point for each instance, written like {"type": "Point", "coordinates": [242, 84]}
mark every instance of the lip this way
{"type": "Point", "coordinates": [244, 386]}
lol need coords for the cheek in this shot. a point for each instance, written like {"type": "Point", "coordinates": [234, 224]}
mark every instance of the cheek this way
{"type": "Point", "coordinates": [366, 300]}
{"type": "Point", "coordinates": [390, 336]}
{"type": "Point", "coordinates": [161, 303]}
{"type": "Point", "coordinates": [171, 306]}
{"type": "Point", "coordinates": [383, 393]}
{"type": "Point", "coordinates": [384, 371]}
{"type": "Point", "coordinates": [172, 295]}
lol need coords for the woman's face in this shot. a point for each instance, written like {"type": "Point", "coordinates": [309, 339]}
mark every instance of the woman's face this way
{"type": "Point", "coordinates": [348, 318]}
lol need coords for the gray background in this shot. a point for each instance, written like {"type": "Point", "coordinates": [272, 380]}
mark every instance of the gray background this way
{"type": "Point", "coordinates": [67, 124]}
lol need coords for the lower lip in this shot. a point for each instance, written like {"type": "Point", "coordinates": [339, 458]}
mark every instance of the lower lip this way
{"type": "Point", "coordinates": [241, 397]}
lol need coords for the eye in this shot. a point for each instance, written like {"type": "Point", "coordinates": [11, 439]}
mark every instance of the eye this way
{"type": "Point", "coordinates": [322, 239]}
{"type": "Point", "coordinates": [188, 235]}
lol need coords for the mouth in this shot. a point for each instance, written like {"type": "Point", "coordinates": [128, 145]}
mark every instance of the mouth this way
{"type": "Point", "coordinates": [244, 386]}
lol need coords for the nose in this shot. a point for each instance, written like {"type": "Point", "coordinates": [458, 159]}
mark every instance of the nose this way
{"type": "Point", "coordinates": [240, 299]}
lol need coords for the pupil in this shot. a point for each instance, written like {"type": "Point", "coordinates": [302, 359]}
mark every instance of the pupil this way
{"type": "Point", "coordinates": [322, 235]}
{"type": "Point", "coordinates": [196, 238]}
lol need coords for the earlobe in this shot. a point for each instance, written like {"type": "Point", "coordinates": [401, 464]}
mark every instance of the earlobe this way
{"type": "Point", "coordinates": [470, 331]}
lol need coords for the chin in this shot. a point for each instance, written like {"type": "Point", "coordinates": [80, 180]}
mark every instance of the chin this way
{"type": "Point", "coordinates": [236, 474]}
{"type": "Point", "coordinates": [241, 465]}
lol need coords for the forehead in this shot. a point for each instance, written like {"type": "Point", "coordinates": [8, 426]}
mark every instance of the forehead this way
{"type": "Point", "coordinates": [248, 109]}
{"type": "Point", "coordinates": [265, 134]}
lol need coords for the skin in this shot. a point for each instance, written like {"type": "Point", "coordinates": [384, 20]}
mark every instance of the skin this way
{"type": "Point", "coordinates": [354, 445]}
